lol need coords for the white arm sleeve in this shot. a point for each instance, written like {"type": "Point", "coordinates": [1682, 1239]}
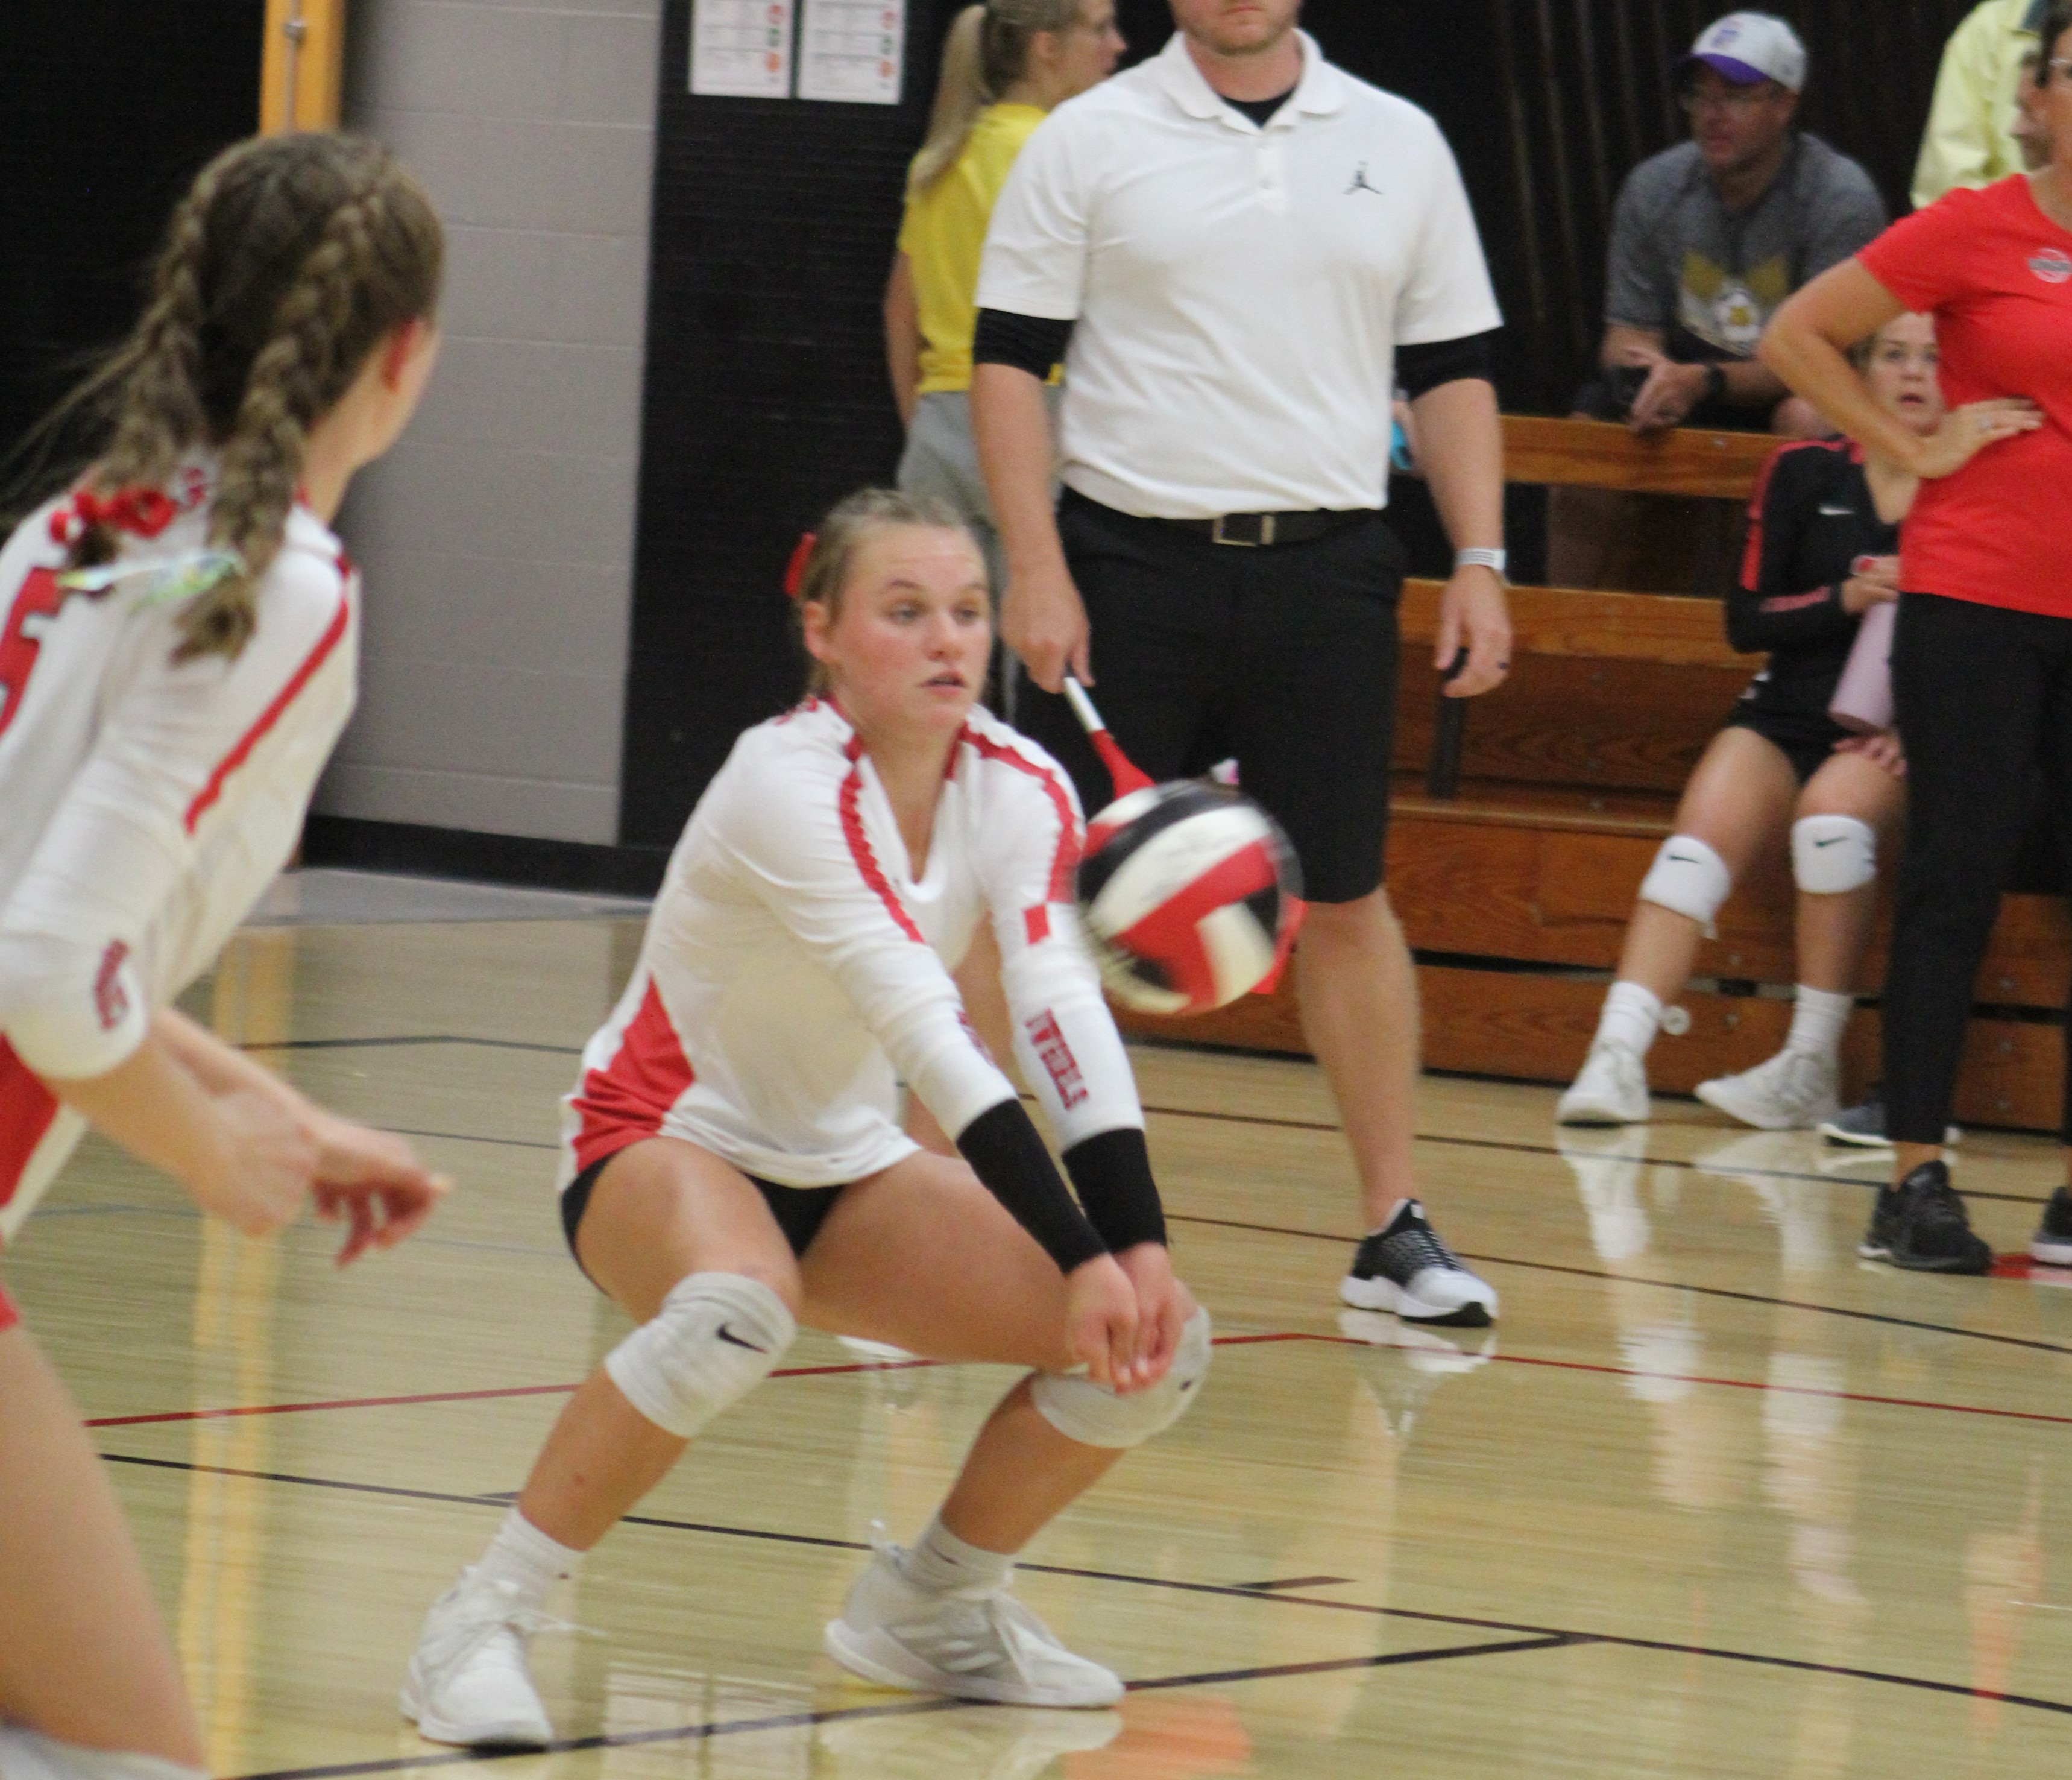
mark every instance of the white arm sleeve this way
{"type": "Point", "coordinates": [73, 1001]}
{"type": "Point", "coordinates": [784, 827]}
{"type": "Point", "coordinates": [1035, 259]}
{"type": "Point", "coordinates": [1065, 1038]}
{"type": "Point", "coordinates": [1447, 295]}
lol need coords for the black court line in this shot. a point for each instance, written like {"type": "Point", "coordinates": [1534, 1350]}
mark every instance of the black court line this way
{"type": "Point", "coordinates": [405, 1040]}
{"type": "Point", "coordinates": [1289, 1582]}
{"type": "Point", "coordinates": [1665, 1285]}
{"type": "Point", "coordinates": [1528, 1635]}
{"type": "Point", "coordinates": [910, 1708]}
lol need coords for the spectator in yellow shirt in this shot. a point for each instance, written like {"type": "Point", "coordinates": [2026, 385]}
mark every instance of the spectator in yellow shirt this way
{"type": "Point", "coordinates": [1972, 138]}
{"type": "Point", "coordinates": [1006, 64]}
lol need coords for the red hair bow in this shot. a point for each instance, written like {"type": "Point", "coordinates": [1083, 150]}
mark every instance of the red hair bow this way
{"type": "Point", "coordinates": [146, 512]}
{"type": "Point", "coordinates": [795, 571]}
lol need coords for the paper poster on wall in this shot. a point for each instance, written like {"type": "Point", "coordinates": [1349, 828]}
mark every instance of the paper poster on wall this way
{"type": "Point", "coordinates": [741, 49]}
{"type": "Point", "coordinates": [853, 50]}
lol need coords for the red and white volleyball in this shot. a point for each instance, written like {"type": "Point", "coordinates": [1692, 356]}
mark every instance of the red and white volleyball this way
{"type": "Point", "coordinates": [1191, 896]}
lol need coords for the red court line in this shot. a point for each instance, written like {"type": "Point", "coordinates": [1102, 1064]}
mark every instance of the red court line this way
{"type": "Point", "coordinates": [1221, 1340]}
{"type": "Point", "coordinates": [553, 1389]}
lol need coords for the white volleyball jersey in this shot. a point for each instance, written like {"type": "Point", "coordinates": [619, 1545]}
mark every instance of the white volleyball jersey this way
{"type": "Point", "coordinates": [795, 970]}
{"type": "Point", "coordinates": [144, 805]}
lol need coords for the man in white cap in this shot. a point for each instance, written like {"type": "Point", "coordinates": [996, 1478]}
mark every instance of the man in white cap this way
{"type": "Point", "coordinates": [1708, 238]}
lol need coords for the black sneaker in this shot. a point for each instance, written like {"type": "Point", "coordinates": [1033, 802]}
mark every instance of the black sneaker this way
{"type": "Point", "coordinates": [2052, 1244]}
{"type": "Point", "coordinates": [1405, 1268]}
{"type": "Point", "coordinates": [1864, 1125]}
{"type": "Point", "coordinates": [1920, 1224]}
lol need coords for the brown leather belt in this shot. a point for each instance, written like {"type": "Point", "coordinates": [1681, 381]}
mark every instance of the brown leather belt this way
{"type": "Point", "coordinates": [1261, 531]}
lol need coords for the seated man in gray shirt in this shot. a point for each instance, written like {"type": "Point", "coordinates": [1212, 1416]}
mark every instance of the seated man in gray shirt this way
{"type": "Point", "coordinates": [1708, 238]}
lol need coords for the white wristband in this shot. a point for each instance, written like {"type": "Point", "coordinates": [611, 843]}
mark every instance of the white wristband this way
{"type": "Point", "coordinates": [1480, 559]}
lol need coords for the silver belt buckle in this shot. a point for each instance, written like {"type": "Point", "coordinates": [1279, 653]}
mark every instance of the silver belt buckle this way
{"type": "Point", "coordinates": [1265, 533]}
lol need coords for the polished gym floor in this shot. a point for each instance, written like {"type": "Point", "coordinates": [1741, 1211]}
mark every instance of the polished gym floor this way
{"type": "Point", "coordinates": [1714, 1499]}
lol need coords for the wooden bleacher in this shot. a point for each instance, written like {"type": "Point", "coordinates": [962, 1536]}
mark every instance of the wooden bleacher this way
{"type": "Point", "coordinates": [1515, 890]}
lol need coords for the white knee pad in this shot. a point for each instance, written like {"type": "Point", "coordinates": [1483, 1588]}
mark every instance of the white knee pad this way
{"type": "Point", "coordinates": [1094, 1415]}
{"type": "Point", "coordinates": [29, 1755]}
{"type": "Point", "coordinates": [1831, 855]}
{"type": "Point", "coordinates": [717, 1337]}
{"type": "Point", "coordinates": [1688, 877]}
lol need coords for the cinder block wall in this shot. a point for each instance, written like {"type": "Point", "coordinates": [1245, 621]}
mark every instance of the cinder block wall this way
{"type": "Point", "coordinates": [497, 537]}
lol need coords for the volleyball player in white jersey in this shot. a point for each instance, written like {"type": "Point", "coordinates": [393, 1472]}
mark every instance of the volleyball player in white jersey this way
{"type": "Point", "coordinates": [177, 632]}
{"type": "Point", "coordinates": [734, 1163]}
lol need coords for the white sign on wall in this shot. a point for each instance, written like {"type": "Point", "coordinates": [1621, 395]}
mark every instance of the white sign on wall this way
{"type": "Point", "coordinates": [741, 49]}
{"type": "Point", "coordinates": [852, 50]}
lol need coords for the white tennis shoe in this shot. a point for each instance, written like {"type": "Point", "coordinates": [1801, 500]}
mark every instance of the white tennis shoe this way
{"type": "Point", "coordinates": [1793, 1091]}
{"type": "Point", "coordinates": [468, 1683]}
{"type": "Point", "coordinates": [1611, 1090]}
{"type": "Point", "coordinates": [971, 1644]}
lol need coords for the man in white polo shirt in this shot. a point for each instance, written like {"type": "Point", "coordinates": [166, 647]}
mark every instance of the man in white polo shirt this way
{"type": "Point", "coordinates": [1239, 251]}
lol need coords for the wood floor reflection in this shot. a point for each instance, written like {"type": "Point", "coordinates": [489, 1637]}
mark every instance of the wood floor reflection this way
{"type": "Point", "coordinates": [1714, 1499]}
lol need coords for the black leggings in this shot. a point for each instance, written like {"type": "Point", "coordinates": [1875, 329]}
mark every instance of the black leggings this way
{"type": "Point", "coordinates": [1983, 697]}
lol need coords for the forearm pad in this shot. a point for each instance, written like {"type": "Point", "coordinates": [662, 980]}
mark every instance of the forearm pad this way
{"type": "Point", "coordinates": [1112, 1172]}
{"type": "Point", "coordinates": [1006, 1154]}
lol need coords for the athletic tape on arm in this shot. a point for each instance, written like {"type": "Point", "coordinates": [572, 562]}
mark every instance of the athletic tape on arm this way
{"type": "Point", "coordinates": [1687, 878]}
{"type": "Point", "coordinates": [1095, 1415]}
{"type": "Point", "coordinates": [1832, 855]}
{"type": "Point", "coordinates": [716, 1336]}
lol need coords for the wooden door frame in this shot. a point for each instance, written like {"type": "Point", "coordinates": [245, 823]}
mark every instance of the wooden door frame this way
{"type": "Point", "coordinates": [307, 37]}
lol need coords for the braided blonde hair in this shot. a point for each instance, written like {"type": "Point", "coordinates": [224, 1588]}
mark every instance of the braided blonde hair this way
{"type": "Point", "coordinates": [830, 556]}
{"type": "Point", "coordinates": [288, 261]}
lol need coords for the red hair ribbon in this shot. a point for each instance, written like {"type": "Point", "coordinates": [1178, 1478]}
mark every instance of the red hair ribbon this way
{"type": "Point", "coordinates": [146, 512]}
{"type": "Point", "coordinates": [795, 571]}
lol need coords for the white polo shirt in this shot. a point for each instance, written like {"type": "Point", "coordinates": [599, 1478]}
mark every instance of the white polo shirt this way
{"type": "Point", "coordinates": [1238, 293]}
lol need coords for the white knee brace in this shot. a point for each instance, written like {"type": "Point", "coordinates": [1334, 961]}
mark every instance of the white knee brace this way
{"type": "Point", "coordinates": [1831, 855]}
{"type": "Point", "coordinates": [1094, 1415]}
{"type": "Point", "coordinates": [29, 1755]}
{"type": "Point", "coordinates": [1688, 877]}
{"type": "Point", "coordinates": [717, 1337]}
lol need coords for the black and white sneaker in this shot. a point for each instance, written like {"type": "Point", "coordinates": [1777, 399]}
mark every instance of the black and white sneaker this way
{"type": "Point", "coordinates": [1921, 1225]}
{"type": "Point", "coordinates": [1404, 1267]}
{"type": "Point", "coordinates": [1863, 1124]}
{"type": "Point", "coordinates": [2052, 1244]}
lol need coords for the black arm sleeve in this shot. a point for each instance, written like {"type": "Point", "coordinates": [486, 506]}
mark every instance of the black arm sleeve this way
{"type": "Point", "coordinates": [1007, 1156]}
{"type": "Point", "coordinates": [1112, 1172]}
{"type": "Point", "coordinates": [1029, 343]}
{"type": "Point", "coordinates": [1421, 369]}
{"type": "Point", "coordinates": [1764, 612]}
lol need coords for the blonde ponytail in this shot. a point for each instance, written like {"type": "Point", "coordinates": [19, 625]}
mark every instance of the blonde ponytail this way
{"type": "Point", "coordinates": [985, 54]}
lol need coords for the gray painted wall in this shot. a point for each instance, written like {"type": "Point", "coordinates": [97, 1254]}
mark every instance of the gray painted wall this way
{"type": "Point", "coordinates": [497, 537]}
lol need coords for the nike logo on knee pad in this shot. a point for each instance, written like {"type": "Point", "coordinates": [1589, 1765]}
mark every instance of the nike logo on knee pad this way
{"type": "Point", "coordinates": [733, 1340]}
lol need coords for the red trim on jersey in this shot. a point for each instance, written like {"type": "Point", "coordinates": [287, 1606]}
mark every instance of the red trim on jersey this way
{"type": "Point", "coordinates": [859, 844]}
{"type": "Point", "coordinates": [271, 716]}
{"type": "Point", "coordinates": [1036, 923]}
{"type": "Point", "coordinates": [1751, 557]}
{"type": "Point", "coordinates": [27, 1109]}
{"type": "Point", "coordinates": [628, 1098]}
{"type": "Point", "coordinates": [1066, 858]}
{"type": "Point", "coordinates": [8, 1315]}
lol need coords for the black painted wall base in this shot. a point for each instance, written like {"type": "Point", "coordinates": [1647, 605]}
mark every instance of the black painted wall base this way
{"type": "Point", "coordinates": [364, 846]}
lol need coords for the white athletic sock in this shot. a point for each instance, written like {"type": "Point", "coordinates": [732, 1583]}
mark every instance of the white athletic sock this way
{"type": "Point", "coordinates": [939, 1561]}
{"type": "Point", "coordinates": [1632, 1016]}
{"type": "Point", "coordinates": [524, 1556]}
{"type": "Point", "coordinates": [1817, 1019]}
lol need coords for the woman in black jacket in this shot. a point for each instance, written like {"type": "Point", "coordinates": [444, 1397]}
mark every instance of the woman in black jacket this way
{"type": "Point", "coordinates": [1823, 539]}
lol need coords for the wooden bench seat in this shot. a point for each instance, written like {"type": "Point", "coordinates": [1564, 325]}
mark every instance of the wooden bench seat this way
{"type": "Point", "coordinates": [1515, 892]}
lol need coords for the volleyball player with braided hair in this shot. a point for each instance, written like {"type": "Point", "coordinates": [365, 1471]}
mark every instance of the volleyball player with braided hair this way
{"type": "Point", "coordinates": [178, 636]}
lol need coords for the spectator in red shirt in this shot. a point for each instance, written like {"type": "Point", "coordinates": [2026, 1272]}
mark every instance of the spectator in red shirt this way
{"type": "Point", "coordinates": [1982, 656]}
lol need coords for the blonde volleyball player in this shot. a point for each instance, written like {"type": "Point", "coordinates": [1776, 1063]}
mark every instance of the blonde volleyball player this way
{"type": "Point", "coordinates": [177, 641]}
{"type": "Point", "coordinates": [735, 1164]}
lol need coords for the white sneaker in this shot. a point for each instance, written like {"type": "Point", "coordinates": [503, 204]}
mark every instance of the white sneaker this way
{"type": "Point", "coordinates": [468, 1682]}
{"type": "Point", "coordinates": [1793, 1091]}
{"type": "Point", "coordinates": [1611, 1090]}
{"type": "Point", "coordinates": [971, 1644]}
{"type": "Point", "coordinates": [1405, 1268]}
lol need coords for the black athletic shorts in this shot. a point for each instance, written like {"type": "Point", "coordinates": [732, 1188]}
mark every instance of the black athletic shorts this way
{"type": "Point", "coordinates": [1806, 739]}
{"type": "Point", "coordinates": [799, 1211]}
{"type": "Point", "coordinates": [1284, 657]}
